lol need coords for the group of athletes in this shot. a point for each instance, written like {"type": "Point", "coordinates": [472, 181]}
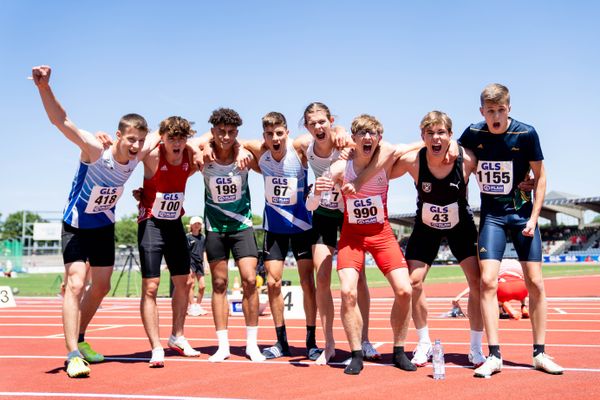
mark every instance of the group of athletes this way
{"type": "Point", "coordinates": [349, 198]}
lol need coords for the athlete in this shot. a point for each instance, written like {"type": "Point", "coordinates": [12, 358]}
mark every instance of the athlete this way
{"type": "Point", "coordinates": [366, 228]}
{"type": "Point", "coordinates": [442, 211]}
{"type": "Point", "coordinates": [197, 247]}
{"type": "Point", "coordinates": [507, 150]}
{"type": "Point", "coordinates": [160, 233]}
{"type": "Point", "coordinates": [320, 147]}
{"type": "Point", "coordinates": [286, 221]}
{"type": "Point", "coordinates": [89, 218]}
{"type": "Point", "coordinates": [229, 230]}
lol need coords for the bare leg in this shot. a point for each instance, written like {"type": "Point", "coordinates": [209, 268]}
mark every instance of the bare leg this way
{"type": "Point", "coordinates": [149, 310]}
{"type": "Point", "coordinates": [534, 280]}
{"type": "Point", "coordinates": [489, 298]}
{"type": "Point", "coordinates": [220, 306]}
{"type": "Point", "coordinates": [307, 281]}
{"type": "Point", "coordinates": [322, 259]}
{"type": "Point", "coordinates": [179, 302]}
{"type": "Point", "coordinates": [350, 312]}
{"type": "Point", "coordinates": [250, 303]}
{"type": "Point", "coordinates": [74, 288]}
{"type": "Point", "coordinates": [364, 303]}
{"type": "Point", "coordinates": [93, 297]}
{"type": "Point", "coordinates": [470, 267]}
{"type": "Point", "coordinates": [400, 315]}
{"type": "Point", "coordinates": [274, 274]}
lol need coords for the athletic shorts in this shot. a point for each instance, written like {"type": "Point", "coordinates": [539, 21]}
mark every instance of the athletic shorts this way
{"type": "Point", "coordinates": [424, 242]}
{"type": "Point", "coordinates": [96, 245]}
{"type": "Point", "coordinates": [511, 288]}
{"type": "Point", "coordinates": [326, 228]}
{"type": "Point", "coordinates": [163, 238]}
{"type": "Point", "coordinates": [241, 244]}
{"type": "Point", "coordinates": [197, 268]}
{"type": "Point", "coordinates": [383, 247]}
{"type": "Point", "coordinates": [277, 245]}
{"type": "Point", "coordinates": [492, 236]}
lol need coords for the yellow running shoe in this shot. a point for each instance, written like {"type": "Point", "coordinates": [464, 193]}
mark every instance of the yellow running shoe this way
{"type": "Point", "coordinates": [88, 354]}
{"type": "Point", "coordinates": [77, 367]}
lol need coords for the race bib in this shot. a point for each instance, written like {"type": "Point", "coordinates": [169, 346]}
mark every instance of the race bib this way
{"type": "Point", "coordinates": [440, 217]}
{"type": "Point", "coordinates": [495, 177]}
{"type": "Point", "coordinates": [103, 198]}
{"type": "Point", "coordinates": [167, 205]}
{"type": "Point", "coordinates": [225, 189]}
{"type": "Point", "coordinates": [368, 210]}
{"type": "Point", "coordinates": [281, 191]}
{"type": "Point", "coordinates": [332, 199]}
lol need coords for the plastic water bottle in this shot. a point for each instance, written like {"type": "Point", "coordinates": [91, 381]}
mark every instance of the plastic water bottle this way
{"type": "Point", "coordinates": [326, 196]}
{"type": "Point", "coordinates": [437, 359]}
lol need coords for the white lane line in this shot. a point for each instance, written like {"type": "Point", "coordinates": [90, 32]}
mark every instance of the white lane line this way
{"type": "Point", "coordinates": [560, 311]}
{"type": "Point", "coordinates": [107, 396]}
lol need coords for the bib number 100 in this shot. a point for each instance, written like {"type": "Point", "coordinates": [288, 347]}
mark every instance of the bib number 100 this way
{"type": "Point", "coordinates": [169, 205]}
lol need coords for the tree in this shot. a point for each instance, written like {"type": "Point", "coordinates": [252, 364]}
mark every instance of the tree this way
{"type": "Point", "coordinates": [126, 230]}
{"type": "Point", "coordinates": [13, 226]}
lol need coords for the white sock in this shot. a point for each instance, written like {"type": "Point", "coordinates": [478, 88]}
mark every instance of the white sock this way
{"type": "Point", "coordinates": [223, 351]}
{"type": "Point", "coordinates": [423, 334]}
{"type": "Point", "coordinates": [252, 349]}
{"type": "Point", "coordinates": [251, 335]}
{"type": "Point", "coordinates": [476, 337]}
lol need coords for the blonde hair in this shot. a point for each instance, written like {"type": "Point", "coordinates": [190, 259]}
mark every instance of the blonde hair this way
{"type": "Point", "coordinates": [436, 118]}
{"type": "Point", "coordinates": [366, 122]}
{"type": "Point", "coordinates": [495, 93]}
{"type": "Point", "coordinates": [274, 118]}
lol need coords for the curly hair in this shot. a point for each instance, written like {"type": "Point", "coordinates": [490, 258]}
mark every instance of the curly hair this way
{"type": "Point", "coordinates": [176, 126]}
{"type": "Point", "coordinates": [225, 116]}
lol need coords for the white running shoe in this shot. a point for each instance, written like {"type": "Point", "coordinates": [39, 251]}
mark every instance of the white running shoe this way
{"type": "Point", "coordinates": [181, 346]}
{"type": "Point", "coordinates": [370, 352]}
{"type": "Point", "coordinates": [491, 365]}
{"type": "Point", "coordinates": [544, 362]}
{"type": "Point", "coordinates": [193, 310]}
{"type": "Point", "coordinates": [201, 310]}
{"type": "Point", "coordinates": [422, 354]}
{"type": "Point", "coordinates": [476, 358]}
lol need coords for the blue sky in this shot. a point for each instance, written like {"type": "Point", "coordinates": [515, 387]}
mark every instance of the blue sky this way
{"type": "Point", "coordinates": [393, 60]}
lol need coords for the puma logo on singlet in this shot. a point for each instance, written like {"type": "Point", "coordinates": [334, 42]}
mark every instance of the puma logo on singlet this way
{"type": "Point", "coordinates": [454, 184]}
{"type": "Point", "coordinates": [514, 149]}
{"type": "Point", "coordinates": [480, 146]}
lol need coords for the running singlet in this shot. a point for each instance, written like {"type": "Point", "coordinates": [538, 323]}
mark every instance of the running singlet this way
{"type": "Point", "coordinates": [441, 203]}
{"type": "Point", "coordinates": [163, 194]}
{"type": "Point", "coordinates": [227, 198]}
{"type": "Point", "coordinates": [285, 183]}
{"type": "Point", "coordinates": [366, 211]}
{"type": "Point", "coordinates": [503, 162]}
{"type": "Point", "coordinates": [334, 206]}
{"type": "Point", "coordinates": [95, 190]}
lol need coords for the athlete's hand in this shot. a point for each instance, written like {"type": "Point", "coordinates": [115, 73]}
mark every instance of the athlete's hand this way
{"type": "Point", "coordinates": [340, 136]}
{"type": "Point", "coordinates": [41, 75]}
{"type": "Point", "coordinates": [349, 189]}
{"type": "Point", "coordinates": [137, 193]}
{"type": "Point", "coordinates": [346, 153]}
{"type": "Point", "coordinates": [323, 184]}
{"type": "Point", "coordinates": [104, 139]}
{"type": "Point", "coordinates": [208, 152]}
{"type": "Point", "coordinates": [243, 157]}
{"type": "Point", "coordinates": [529, 229]}
{"type": "Point", "coordinates": [528, 184]}
{"type": "Point", "coordinates": [451, 153]}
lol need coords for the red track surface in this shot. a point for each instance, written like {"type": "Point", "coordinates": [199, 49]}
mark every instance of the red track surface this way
{"type": "Point", "coordinates": [32, 355]}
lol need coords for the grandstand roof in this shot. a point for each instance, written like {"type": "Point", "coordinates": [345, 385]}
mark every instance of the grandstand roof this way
{"type": "Point", "coordinates": [554, 203]}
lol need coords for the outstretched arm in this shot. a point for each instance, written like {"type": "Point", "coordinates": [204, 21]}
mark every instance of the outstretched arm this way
{"type": "Point", "coordinates": [91, 148]}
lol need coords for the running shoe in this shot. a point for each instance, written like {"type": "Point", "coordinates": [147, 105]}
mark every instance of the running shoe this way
{"type": "Point", "coordinates": [524, 311]}
{"type": "Point", "coordinates": [181, 346]}
{"type": "Point", "coordinates": [158, 358]}
{"type": "Point", "coordinates": [77, 367]}
{"type": "Point", "coordinates": [314, 353]}
{"type": "Point", "coordinates": [422, 354]}
{"type": "Point", "coordinates": [370, 352]}
{"type": "Point", "coordinates": [491, 366]}
{"type": "Point", "coordinates": [514, 314]}
{"type": "Point", "coordinates": [544, 362]}
{"type": "Point", "coordinates": [476, 358]}
{"type": "Point", "coordinates": [88, 354]}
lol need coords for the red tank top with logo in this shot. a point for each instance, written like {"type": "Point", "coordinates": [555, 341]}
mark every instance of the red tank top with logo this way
{"type": "Point", "coordinates": [163, 194]}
